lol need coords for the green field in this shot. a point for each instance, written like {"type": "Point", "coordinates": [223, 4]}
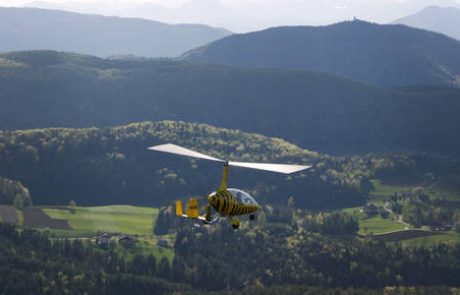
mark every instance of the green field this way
{"type": "Point", "coordinates": [86, 222]}
{"type": "Point", "coordinates": [148, 246]}
{"type": "Point", "coordinates": [450, 237]}
{"type": "Point", "coordinates": [445, 194]}
{"type": "Point", "coordinates": [383, 190]}
{"type": "Point", "coordinates": [115, 219]}
{"type": "Point", "coordinates": [378, 225]}
{"type": "Point", "coordinates": [375, 224]}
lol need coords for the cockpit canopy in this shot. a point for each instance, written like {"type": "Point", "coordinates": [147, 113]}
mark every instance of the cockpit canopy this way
{"type": "Point", "coordinates": [241, 196]}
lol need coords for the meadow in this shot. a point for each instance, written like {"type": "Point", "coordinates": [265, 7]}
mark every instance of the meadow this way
{"type": "Point", "coordinates": [87, 223]}
{"type": "Point", "coordinates": [113, 219]}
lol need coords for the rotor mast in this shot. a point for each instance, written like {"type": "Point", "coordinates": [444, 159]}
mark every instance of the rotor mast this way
{"type": "Point", "coordinates": [223, 183]}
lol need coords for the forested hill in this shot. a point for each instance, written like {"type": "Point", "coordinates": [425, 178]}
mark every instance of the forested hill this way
{"type": "Point", "coordinates": [31, 28]}
{"type": "Point", "coordinates": [318, 111]}
{"type": "Point", "coordinates": [113, 165]}
{"type": "Point", "coordinates": [387, 55]}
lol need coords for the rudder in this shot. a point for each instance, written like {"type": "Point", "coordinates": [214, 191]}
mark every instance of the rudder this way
{"type": "Point", "coordinates": [192, 210]}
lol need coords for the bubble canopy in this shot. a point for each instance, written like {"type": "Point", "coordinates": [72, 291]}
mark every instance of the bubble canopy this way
{"type": "Point", "coordinates": [241, 196]}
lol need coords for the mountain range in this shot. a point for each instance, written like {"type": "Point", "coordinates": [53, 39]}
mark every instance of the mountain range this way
{"type": "Point", "coordinates": [314, 110]}
{"type": "Point", "coordinates": [32, 28]}
{"type": "Point", "coordinates": [385, 55]}
{"type": "Point", "coordinates": [445, 20]}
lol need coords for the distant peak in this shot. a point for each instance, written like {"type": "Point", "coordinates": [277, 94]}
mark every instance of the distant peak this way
{"type": "Point", "coordinates": [434, 7]}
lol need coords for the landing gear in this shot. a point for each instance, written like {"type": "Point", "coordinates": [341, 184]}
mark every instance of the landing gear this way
{"type": "Point", "coordinates": [235, 223]}
{"type": "Point", "coordinates": [252, 217]}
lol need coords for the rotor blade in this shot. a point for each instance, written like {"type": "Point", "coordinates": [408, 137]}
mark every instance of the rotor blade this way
{"type": "Point", "coordinates": [178, 150]}
{"type": "Point", "coordinates": [280, 168]}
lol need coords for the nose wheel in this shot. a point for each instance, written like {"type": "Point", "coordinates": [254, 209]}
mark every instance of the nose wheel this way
{"type": "Point", "coordinates": [235, 223]}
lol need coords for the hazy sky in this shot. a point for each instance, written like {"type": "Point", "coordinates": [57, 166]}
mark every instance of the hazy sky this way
{"type": "Point", "coordinates": [244, 15]}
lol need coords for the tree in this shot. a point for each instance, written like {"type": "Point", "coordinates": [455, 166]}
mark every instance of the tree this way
{"type": "Point", "coordinates": [164, 270]}
{"type": "Point", "coordinates": [18, 202]}
{"type": "Point", "coordinates": [72, 205]}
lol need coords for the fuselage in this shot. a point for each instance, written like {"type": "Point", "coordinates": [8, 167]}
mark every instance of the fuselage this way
{"type": "Point", "coordinates": [233, 202]}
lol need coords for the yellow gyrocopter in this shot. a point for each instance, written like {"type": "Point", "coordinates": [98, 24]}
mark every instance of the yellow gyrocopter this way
{"type": "Point", "coordinates": [228, 202]}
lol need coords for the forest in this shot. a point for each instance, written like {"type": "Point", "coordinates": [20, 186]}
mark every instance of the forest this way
{"type": "Point", "coordinates": [300, 242]}
{"type": "Point", "coordinates": [315, 110]}
{"type": "Point", "coordinates": [276, 255]}
{"type": "Point", "coordinates": [109, 165]}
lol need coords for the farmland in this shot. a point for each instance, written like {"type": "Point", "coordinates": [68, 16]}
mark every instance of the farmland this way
{"type": "Point", "coordinates": [88, 222]}
{"type": "Point", "coordinates": [8, 214]}
{"type": "Point", "coordinates": [450, 237]}
{"type": "Point", "coordinates": [115, 219]}
{"type": "Point", "coordinates": [36, 217]}
{"type": "Point", "coordinates": [375, 224]}
{"type": "Point", "coordinates": [404, 235]}
{"type": "Point", "coordinates": [385, 190]}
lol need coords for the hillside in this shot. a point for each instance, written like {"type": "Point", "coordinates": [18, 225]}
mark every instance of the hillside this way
{"type": "Point", "coordinates": [112, 166]}
{"type": "Point", "coordinates": [444, 20]}
{"type": "Point", "coordinates": [325, 113]}
{"type": "Point", "coordinates": [386, 55]}
{"type": "Point", "coordinates": [31, 28]}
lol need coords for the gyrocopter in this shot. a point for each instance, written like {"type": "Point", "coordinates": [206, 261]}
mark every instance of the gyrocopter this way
{"type": "Point", "coordinates": [228, 202]}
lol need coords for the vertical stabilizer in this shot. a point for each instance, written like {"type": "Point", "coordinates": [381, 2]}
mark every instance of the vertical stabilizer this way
{"type": "Point", "coordinates": [179, 211]}
{"type": "Point", "coordinates": [192, 210]}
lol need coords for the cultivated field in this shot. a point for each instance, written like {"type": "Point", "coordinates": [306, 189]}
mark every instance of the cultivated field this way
{"type": "Point", "coordinates": [450, 237]}
{"type": "Point", "coordinates": [87, 222]}
{"type": "Point", "coordinates": [378, 225]}
{"type": "Point", "coordinates": [35, 217]}
{"type": "Point", "coordinates": [8, 214]}
{"type": "Point", "coordinates": [115, 219]}
{"type": "Point", "coordinates": [375, 224]}
{"type": "Point", "coordinates": [404, 235]}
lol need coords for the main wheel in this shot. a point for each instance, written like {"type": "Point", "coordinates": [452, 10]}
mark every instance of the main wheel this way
{"type": "Point", "coordinates": [235, 223]}
{"type": "Point", "coordinates": [252, 217]}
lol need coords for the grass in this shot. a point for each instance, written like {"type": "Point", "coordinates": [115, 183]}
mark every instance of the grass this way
{"type": "Point", "coordinates": [86, 222]}
{"type": "Point", "coordinates": [450, 237]}
{"type": "Point", "coordinates": [146, 246]}
{"type": "Point", "coordinates": [382, 190]}
{"type": "Point", "coordinates": [378, 225]}
{"type": "Point", "coordinates": [20, 217]}
{"type": "Point", "coordinates": [115, 219]}
{"type": "Point", "coordinates": [68, 233]}
{"type": "Point", "coordinates": [446, 194]}
{"type": "Point", "coordinates": [436, 191]}
{"type": "Point", "coordinates": [375, 224]}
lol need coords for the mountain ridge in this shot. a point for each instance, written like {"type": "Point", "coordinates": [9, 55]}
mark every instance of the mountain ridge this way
{"type": "Point", "coordinates": [315, 110]}
{"type": "Point", "coordinates": [34, 28]}
{"type": "Point", "coordinates": [444, 20]}
{"type": "Point", "coordinates": [385, 55]}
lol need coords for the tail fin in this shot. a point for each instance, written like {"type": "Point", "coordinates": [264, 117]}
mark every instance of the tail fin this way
{"type": "Point", "coordinates": [192, 210]}
{"type": "Point", "coordinates": [179, 211]}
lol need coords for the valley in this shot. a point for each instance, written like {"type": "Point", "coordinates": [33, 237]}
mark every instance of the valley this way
{"type": "Point", "coordinates": [363, 118]}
